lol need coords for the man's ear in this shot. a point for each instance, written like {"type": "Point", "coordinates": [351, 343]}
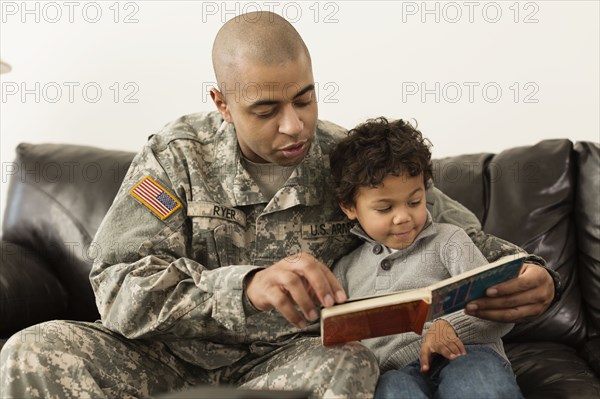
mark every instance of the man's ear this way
{"type": "Point", "coordinates": [221, 104]}
{"type": "Point", "coordinates": [349, 210]}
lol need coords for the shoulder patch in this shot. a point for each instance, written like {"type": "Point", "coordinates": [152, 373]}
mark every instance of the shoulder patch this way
{"type": "Point", "coordinates": [155, 197]}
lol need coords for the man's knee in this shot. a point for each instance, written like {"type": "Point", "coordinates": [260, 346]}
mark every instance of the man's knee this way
{"type": "Point", "coordinates": [357, 352]}
{"type": "Point", "coordinates": [31, 356]}
{"type": "Point", "coordinates": [340, 371]}
{"type": "Point", "coordinates": [40, 350]}
{"type": "Point", "coordinates": [42, 338]}
{"type": "Point", "coordinates": [354, 371]}
{"type": "Point", "coordinates": [353, 358]}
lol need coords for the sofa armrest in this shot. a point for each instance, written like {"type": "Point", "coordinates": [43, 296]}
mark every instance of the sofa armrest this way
{"type": "Point", "coordinates": [29, 292]}
{"type": "Point", "coordinates": [587, 220]}
{"type": "Point", "coordinates": [591, 353]}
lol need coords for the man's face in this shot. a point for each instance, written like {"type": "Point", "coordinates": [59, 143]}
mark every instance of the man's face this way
{"type": "Point", "coordinates": [393, 213]}
{"type": "Point", "coordinates": [273, 109]}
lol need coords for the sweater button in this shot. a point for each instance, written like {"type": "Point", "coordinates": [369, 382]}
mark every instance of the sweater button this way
{"type": "Point", "coordinates": [386, 264]}
{"type": "Point", "coordinates": [377, 249]}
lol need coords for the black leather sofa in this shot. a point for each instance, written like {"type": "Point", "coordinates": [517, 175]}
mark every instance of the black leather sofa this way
{"type": "Point", "coordinates": [544, 197]}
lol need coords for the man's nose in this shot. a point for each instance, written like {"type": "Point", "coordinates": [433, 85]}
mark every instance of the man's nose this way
{"type": "Point", "coordinates": [290, 122]}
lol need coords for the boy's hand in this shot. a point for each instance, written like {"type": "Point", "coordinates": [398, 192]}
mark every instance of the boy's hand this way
{"type": "Point", "coordinates": [441, 338]}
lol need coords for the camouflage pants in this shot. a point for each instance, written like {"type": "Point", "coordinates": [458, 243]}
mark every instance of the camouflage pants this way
{"type": "Point", "coordinates": [62, 359]}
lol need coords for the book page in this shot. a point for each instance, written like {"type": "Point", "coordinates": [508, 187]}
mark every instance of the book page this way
{"type": "Point", "coordinates": [371, 302]}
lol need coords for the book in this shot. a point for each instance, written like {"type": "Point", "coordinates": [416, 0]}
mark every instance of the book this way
{"type": "Point", "coordinates": [404, 311]}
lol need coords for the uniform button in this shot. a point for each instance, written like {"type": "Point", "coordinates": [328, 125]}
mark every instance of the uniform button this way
{"type": "Point", "coordinates": [377, 249]}
{"type": "Point", "coordinates": [386, 264]}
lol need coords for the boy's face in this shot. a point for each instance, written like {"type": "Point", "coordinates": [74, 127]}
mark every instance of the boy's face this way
{"type": "Point", "coordinates": [393, 213]}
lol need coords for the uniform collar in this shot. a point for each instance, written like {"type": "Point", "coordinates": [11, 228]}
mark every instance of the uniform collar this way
{"type": "Point", "coordinates": [304, 186]}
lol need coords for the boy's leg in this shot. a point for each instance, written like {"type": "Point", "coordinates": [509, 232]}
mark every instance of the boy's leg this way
{"type": "Point", "coordinates": [340, 371]}
{"type": "Point", "coordinates": [407, 382]}
{"type": "Point", "coordinates": [481, 373]}
{"type": "Point", "coordinates": [62, 359]}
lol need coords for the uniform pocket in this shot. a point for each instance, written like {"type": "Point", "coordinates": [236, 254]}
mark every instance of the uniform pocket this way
{"type": "Point", "coordinates": [218, 234]}
{"type": "Point", "coordinates": [221, 244]}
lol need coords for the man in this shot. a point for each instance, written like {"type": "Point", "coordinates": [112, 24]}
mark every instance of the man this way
{"type": "Point", "coordinates": [215, 255]}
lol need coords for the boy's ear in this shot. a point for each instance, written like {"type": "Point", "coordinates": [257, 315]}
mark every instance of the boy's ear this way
{"type": "Point", "coordinates": [349, 210]}
{"type": "Point", "coordinates": [221, 104]}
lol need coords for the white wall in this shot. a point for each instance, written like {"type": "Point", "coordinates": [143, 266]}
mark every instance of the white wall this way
{"type": "Point", "coordinates": [476, 75]}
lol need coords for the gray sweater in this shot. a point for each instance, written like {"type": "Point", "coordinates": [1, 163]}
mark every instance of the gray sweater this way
{"type": "Point", "coordinates": [439, 252]}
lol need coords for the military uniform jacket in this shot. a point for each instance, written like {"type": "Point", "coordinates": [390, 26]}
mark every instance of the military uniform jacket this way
{"type": "Point", "coordinates": [189, 223]}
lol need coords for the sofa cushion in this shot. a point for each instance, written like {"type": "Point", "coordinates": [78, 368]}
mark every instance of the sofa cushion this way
{"type": "Point", "coordinates": [587, 216]}
{"type": "Point", "coordinates": [526, 195]}
{"type": "Point", "coordinates": [531, 204]}
{"type": "Point", "coordinates": [548, 370]}
{"type": "Point", "coordinates": [29, 292]}
{"type": "Point", "coordinates": [59, 194]}
{"type": "Point", "coordinates": [463, 178]}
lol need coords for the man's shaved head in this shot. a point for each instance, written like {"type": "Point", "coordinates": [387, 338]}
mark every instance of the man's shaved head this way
{"type": "Point", "coordinates": [261, 38]}
{"type": "Point", "coordinates": [266, 88]}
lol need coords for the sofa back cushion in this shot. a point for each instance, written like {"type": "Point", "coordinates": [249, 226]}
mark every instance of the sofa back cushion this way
{"type": "Point", "coordinates": [58, 195]}
{"type": "Point", "coordinates": [528, 196]}
{"type": "Point", "coordinates": [587, 217]}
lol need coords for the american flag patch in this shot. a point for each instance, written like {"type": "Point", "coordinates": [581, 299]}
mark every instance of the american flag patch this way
{"type": "Point", "coordinates": [155, 197]}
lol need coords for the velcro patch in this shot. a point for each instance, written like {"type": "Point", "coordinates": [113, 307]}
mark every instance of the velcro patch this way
{"type": "Point", "coordinates": [210, 209]}
{"type": "Point", "coordinates": [155, 197]}
{"type": "Point", "coordinates": [327, 229]}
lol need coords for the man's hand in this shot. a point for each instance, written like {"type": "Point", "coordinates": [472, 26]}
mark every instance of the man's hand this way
{"type": "Point", "coordinates": [440, 338]}
{"type": "Point", "coordinates": [521, 299]}
{"type": "Point", "coordinates": [301, 282]}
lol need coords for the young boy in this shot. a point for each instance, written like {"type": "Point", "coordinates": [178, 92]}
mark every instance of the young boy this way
{"type": "Point", "coordinates": [381, 173]}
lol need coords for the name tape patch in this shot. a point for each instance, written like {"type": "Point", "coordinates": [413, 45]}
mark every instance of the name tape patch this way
{"type": "Point", "coordinates": [313, 230]}
{"type": "Point", "coordinates": [210, 209]}
{"type": "Point", "coordinates": [155, 197]}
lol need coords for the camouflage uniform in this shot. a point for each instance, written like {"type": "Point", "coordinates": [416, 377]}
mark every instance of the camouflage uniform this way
{"type": "Point", "coordinates": [169, 284]}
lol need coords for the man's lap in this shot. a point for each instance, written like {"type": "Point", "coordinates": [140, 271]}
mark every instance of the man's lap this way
{"type": "Point", "coordinates": [47, 359]}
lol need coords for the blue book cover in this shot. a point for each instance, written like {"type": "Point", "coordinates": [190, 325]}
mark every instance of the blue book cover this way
{"type": "Point", "coordinates": [454, 295]}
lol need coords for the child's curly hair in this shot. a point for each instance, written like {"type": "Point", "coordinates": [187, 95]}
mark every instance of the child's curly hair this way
{"type": "Point", "coordinates": [374, 150]}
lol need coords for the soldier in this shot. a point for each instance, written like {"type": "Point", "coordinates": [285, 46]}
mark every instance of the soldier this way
{"type": "Point", "coordinates": [215, 254]}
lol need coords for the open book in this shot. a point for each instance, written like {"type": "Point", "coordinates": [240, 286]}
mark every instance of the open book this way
{"type": "Point", "coordinates": [405, 311]}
